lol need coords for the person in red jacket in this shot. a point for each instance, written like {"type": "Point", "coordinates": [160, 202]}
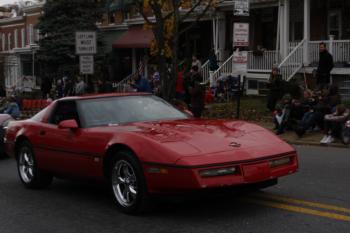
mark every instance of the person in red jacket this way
{"type": "Point", "coordinates": [180, 88]}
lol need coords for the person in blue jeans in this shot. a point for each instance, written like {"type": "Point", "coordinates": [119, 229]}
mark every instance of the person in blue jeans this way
{"type": "Point", "coordinates": [12, 108]}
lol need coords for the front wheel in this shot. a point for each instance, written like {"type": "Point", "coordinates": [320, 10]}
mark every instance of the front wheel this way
{"type": "Point", "coordinates": [127, 183]}
{"type": "Point", "coordinates": [28, 171]}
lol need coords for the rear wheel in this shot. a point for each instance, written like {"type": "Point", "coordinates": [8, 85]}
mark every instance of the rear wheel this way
{"type": "Point", "coordinates": [127, 183]}
{"type": "Point", "coordinates": [28, 171]}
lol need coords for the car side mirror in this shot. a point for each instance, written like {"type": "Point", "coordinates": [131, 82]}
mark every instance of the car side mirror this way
{"type": "Point", "coordinates": [68, 124]}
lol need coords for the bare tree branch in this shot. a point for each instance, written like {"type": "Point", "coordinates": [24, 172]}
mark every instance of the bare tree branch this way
{"type": "Point", "coordinates": [197, 18]}
{"type": "Point", "coordinates": [188, 13]}
{"type": "Point", "coordinates": [142, 12]}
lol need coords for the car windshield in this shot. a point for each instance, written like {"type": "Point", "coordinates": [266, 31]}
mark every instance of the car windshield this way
{"type": "Point", "coordinates": [126, 109]}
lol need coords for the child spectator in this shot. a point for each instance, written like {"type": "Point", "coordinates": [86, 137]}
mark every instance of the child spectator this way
{"type": "Point", "coordinates": [282, 114]}
{"type": "Point", "coordinates": [334, 123]}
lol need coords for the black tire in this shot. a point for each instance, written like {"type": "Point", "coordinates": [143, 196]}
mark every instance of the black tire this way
{"type": "Point", "coordinates": [29, 173]}
{"type": "Point", "coordinates": [128, 184]}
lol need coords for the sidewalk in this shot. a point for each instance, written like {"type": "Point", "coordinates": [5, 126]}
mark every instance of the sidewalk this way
{"type": "Point", "coordinates": [312, 139]}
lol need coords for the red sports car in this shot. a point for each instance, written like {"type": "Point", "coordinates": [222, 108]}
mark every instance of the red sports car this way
{"type": "Point", "coordinates": [142, 146]}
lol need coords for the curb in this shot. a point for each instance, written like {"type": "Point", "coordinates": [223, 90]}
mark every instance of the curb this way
{"type": "Point", "coordinates": [300, 143]}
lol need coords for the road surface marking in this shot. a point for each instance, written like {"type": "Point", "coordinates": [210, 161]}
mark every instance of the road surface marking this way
{"type": "Point", "coordinates": [297, 209]}
{"type": "Point", "coordinates": [302, 202]}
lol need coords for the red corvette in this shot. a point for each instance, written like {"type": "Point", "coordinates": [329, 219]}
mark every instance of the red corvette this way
{"type": "Point", "coordinates": [142, 145]}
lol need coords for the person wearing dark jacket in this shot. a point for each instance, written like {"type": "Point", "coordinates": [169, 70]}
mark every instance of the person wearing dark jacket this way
{"type": "Point", "coordinates": [325, 66]}
{"type": "Point", "coordinates": [275, 86]}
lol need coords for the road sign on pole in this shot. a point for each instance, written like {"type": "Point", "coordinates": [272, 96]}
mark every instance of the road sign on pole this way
{"type": "Point", "coordinates": [85, 43]}
{"type": "Point", "coordinates": [241, 8]}
{"type": "Point", "coordinates": [86, 64]}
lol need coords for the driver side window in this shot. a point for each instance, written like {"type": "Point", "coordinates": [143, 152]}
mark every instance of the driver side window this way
{"type": "Point", "coordinates": [65, 110]}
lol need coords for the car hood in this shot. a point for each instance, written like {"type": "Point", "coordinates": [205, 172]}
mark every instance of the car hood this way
{"type": "Point", "coordinates": [195, 137]}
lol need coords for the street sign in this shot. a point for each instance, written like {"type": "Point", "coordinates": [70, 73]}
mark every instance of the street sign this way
{"type": "Point", "coordinates": [240, 61]}
{"type": "Point", "coordinates": [86, 64]}
{"type": "Point", "coordinates": [85, 43]}
{"type": "Point", "coordinates": [240, 34]}
{"type": "Point", "coordinates": [241, 8]}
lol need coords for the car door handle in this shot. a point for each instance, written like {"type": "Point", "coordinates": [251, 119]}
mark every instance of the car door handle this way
{"type": "Point", "coordinates": [42, 132]}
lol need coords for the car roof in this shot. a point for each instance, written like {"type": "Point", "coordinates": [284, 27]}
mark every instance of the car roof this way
{"type": "Point", "coordinates": [96, 96]}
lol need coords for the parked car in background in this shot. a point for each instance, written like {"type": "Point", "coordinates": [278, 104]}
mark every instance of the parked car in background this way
{"type": "Point", "coordinates": [141, 146]}
{"type": "Point", "coordinates": [4, 121]}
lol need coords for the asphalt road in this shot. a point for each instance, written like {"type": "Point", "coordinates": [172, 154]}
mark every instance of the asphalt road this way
{"type": "Point", "coordinates": [316, 199]}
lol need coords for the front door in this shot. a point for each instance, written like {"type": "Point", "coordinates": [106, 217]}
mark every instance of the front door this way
{"type": "Point", "coordinates": [335, 23]}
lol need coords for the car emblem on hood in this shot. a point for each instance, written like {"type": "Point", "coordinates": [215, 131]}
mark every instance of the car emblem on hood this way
{"type": "Point", "coordinates": [234, 144]}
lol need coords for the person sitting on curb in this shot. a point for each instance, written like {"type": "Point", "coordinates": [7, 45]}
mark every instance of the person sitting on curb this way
{"type": "Point", "coordinates": [346, 133]}
{"type": "Point", "coordinates": [282, 114]}
{"type": "Point", "coordinates": [12, 108]}
{"type": "Point", "coordinates": [333, 124]}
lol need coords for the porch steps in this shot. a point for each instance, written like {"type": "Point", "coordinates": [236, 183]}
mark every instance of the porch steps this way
{"type": "Point", "coordinates": [344, 89]}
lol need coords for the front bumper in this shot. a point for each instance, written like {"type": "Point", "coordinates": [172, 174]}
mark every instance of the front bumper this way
{"type": "Point", "coordinates": [172, 179]}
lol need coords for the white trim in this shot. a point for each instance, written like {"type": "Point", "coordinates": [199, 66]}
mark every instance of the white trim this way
{"type": "Point", "coordinates": [116, 27]}
{"type": "Point", "coordinates": [12, 25]}
{"type": "Point", "coordinates": [33, 14]}
{"type": "Point", "coordinates": [11, 20]}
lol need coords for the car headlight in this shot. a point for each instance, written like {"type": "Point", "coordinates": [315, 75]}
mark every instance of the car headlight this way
{"type": "Point", "coordinates": [218, 172]}
{"type": "Point", "coordinates": [280, 162]}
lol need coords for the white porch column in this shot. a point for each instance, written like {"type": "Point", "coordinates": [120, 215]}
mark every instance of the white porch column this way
{"type": "Point", "coordinates": [306, 31]}
{"type": "Point", "coordinates": [285, 28]}
{"type": "Point", "coordinates": [221, 38]}
{"type": "Point", "coordinates": [281, 26]}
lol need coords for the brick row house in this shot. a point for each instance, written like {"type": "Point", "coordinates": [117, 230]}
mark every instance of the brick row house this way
{"type": "Point", "coordinates": [18, 44]}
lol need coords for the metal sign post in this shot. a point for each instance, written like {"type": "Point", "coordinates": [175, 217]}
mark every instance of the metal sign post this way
{"type": "Point", "coordinates": [240, 41]}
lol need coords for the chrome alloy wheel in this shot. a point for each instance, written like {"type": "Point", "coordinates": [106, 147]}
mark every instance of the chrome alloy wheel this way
{"type": "Point", "coordinates": [124, 183]}
{"type": "Point", "coordinates": [26, 164]}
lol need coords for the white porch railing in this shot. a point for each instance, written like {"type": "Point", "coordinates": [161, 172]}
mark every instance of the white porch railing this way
{"type": "Point", "coordinates": [340, 49]}
{"type": "Point", "coordinates": [293, 62]}
{"type": "Point", "coordinates": [205, 71]}
{"type": "Point", "coordinates": [263, 62]}
{"type": "Point", "coordinates": [124, 86]}
{"type": "Point", "coordinates": [225, 69]}
{"type": "Point", "coordinates": [314, 51]}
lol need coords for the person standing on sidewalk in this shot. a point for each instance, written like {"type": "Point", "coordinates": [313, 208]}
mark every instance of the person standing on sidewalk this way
{"type": "Point", "coordinates": [325, 66]}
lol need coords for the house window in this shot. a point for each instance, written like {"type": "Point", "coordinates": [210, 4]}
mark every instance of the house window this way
{"type": "Point", "coordinates": [111, 18]}
{"type": "Point", "coordinates": [27, 66]}
{"type": "Point", "coordinates": [3, 40]}
{"type": "Point", "coordinates": [253, 84]}
{"type": "Point", "coordinates": [335, 24]}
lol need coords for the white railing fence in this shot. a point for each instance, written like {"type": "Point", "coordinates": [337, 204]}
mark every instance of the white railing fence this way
{"type": "Point", "coordinates": [340, 49]}
{"type": "Point", "coordinates": [205, 71]}
{"type": "Point", "coordinates": [314, 51]}
{"type": "Point", "coordinates": [293, 62]}
{"type": "Point", "coordinates": [225, 69]}
{"type": "Point", "coordinates": [263, 62]}
{"type": "Point", "coordinates": [124, 85]}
